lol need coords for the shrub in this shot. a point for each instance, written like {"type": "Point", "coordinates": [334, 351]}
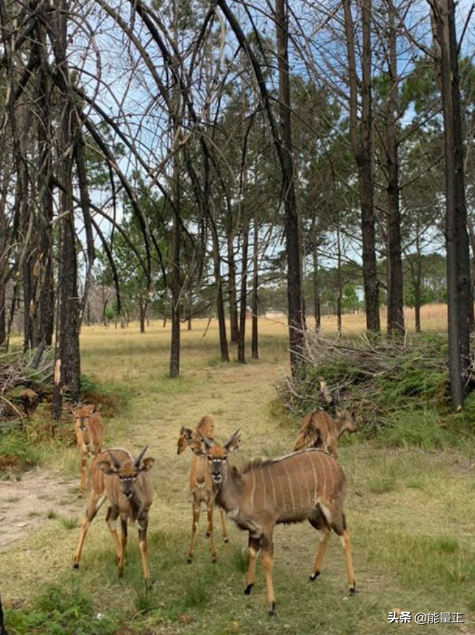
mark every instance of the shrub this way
{"type": "Point", "coordinates": [398, 392]}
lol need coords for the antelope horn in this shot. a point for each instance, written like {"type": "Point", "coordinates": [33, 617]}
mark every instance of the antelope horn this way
{"type": "Point", "coordinates": [231, 439]}
{"type": "Point", "coordinates": [208, 443]}
{"type": "Point", "coordinates": [140, 456]}
{"type": "Point", "coordinates": [182, 430]}
{"type": "Point", "coordinates": [114, 460]}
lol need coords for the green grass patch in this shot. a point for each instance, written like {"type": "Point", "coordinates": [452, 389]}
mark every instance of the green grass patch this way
{"type": "Point", "coordinates": [62, 609]}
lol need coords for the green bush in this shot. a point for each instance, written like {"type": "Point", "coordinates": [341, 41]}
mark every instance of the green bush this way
{"type": "Point", "coordinates": [398, 392]}
{"type": "Point", "coordinates": [16, 453]}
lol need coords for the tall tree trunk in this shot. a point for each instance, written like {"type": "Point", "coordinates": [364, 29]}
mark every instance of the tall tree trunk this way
{"type": "Point", "coordinates": [339, 281]}
{"type": "Point", "coordinates": [190, 308]}
{"type": "Point", "coordinates": [395, 317]}
{"type": "Point", "coordinates": [142, 314]}
{"type": "Point", "coordinates": [3, 313]}
{"type": "Point", "coordinates": [45, 260]}
{"type": "Point", "coordinates": [316, 279]}
{"type": "Point", "coordinates": [255, 286]}
{"type": "Point", "coordinates": [67, 354]}
{"type": "Point", "coordinates": [243, 296]}
{"type": "Point", "coordinates": [292, 224]}
{"type": "Point", "coordinates": [175, 283]}
{"type": "Point", "coordinates": [460, 303]}
{"type": "Point", "coordinates": [417, 293]}
{"type": "Point", "coordinates": [233, 305]}
{"type": "Point", "coordinates": [361, 143]}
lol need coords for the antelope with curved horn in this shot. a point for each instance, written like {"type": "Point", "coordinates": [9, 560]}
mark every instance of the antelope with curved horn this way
{"type": "Point", "coordinates": [201, 485]}
{"type": "Point", "coordinates": [122, 480]}
{"type": "Point", "coordinates": [307, 485]}
{"type": "Point", "coordinates": [89, 429]}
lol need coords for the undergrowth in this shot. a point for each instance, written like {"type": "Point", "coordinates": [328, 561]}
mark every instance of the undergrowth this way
{"type": "Point", "coordinates": [62, 609]}
{"type": "Point", "coordinates": [23, 447]}
{"type": "Point", "coordinates": [398, 393]}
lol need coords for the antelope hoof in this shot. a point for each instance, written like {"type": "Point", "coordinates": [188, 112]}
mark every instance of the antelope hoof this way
{"type": "Point", "coordinates": [352, 589]}
{"type": "Point", "coordinates": [189, 559]}
{"type": "Point", "coordinates": [248, 589]}
{"type": "Point", "coordinates": [271, 609]}
{"type": "Point", "coordinates": [314, 576]}
{"type": "Point", "coordinates": [207, 534]}
{"type": "Point", "coordinates": [226, 540]}
{"type": "Point", "coordinates": [214, 559]}
{"type": "Point", "coordinates": [76, 565]}
{"type": "Point", "coordinates": [148, 583]}
{"type": "Point", "coordinates": [120, 573]}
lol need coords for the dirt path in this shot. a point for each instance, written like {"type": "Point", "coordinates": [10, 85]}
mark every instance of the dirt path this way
{"type": "Point", "coordinates": [28, 504]}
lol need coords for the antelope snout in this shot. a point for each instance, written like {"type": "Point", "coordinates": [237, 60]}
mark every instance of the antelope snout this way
{"type": "Point", "coordinates": [217, 478]}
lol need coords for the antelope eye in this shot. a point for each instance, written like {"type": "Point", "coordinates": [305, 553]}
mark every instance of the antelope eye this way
{"type": "Point", "coordinates": [225, 458]}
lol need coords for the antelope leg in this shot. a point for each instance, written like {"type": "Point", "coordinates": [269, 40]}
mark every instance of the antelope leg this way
{"type": "Point", "coordinates": [223, 523]}
{"type": "Point", "coordinates": [267, 563]}
{"type": "Point", "coordinates": [349, 561]}
{"type": "Point", "coordinates": [143, 524]}
{"type": "Point", "coordinates": [254, 547]}
{"type": "Point", "coordinates": [111, 520]}
{"type": "Point", "coordinates": [82, 482]}
{"type": "Point", "coordinates": [194, 528]}
{"type": "Point", "coordinates": [212, 546]}
{"type": "Point", "coordinates": [322, 547]}
{"type": "Point", "coordinates": [123, 527]}
{"type": "Point", "coordinates": [94, 505]}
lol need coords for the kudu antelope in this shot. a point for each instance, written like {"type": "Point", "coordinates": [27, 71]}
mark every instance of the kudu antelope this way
{"type": "Point", "coordinates": [122, 480]}
{"type": "Point", "coordinates": [201, 485]}
{"type": "Point", "coordinates": [319, 430]}
{"type": "Point", "coordinates": [308, 485]}
{"type": "Point", "coordinates": [89, 429]}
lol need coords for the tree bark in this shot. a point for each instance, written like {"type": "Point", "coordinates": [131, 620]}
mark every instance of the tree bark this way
{"type": "Point", "coordinates": [3, 313]}
{"type": "Point", "coordinates": [316, 280]}
{"type": "Point", "coordinates": [255, 287]}
{"type": "Point", "coordinates": [243, 295]}
{"type": "Point", "coordinates": [460, 303]}
{"type": "Point", "coordinates": [175, 282]}
{"type": "Point", "coordinates": [45, 260]}
{"type": "Point", "coordinates": [67, 374]}
{"type": "Point", "coordinates": [233, 306]}
{"type": "Point", "coordinates": [292, 223]}
{"type": "Point", "coordinates": [395, 316]}
{"type": "Point", "coordinates": [361, 143]}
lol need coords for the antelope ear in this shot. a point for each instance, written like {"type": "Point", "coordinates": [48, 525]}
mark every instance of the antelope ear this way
{"type": "Point", "coordinates": [107, 467]}
{"type": "Point", "coordinates": [147, 464]}
{"type": "Point", "coordinates": [91, 409]}
{"type": "Point", "coordinates": [339, 411]}
{"type": "Point", "coordinates": [234, 441]}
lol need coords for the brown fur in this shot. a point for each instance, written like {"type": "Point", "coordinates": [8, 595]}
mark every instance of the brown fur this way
{"type": "Point", "coordinates": [89, 441]}
{"type": "Point", "coordinates": [307, 485]}
{"type": "Point", "coordinates": [108, 482]}
{"type": "Point", "coordinates": [201, 485]}
{"type": "Point", "coordinates": [319, 430]}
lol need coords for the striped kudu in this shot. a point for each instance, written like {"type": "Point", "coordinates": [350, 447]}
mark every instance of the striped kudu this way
{"type": "Point", "coordinates": [201, 485]}
{"type": "Point", "coordinates": [319, 430]}
{"type": "Point", "coordinates": [89, 429]}
{"type": "Point", "coordinates": [122, 480]}
{"type": "Point", "coordinates": [308, 485]}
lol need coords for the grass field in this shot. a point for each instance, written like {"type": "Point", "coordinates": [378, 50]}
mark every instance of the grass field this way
{"type": "Point", "coordinates": [411, 514]}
